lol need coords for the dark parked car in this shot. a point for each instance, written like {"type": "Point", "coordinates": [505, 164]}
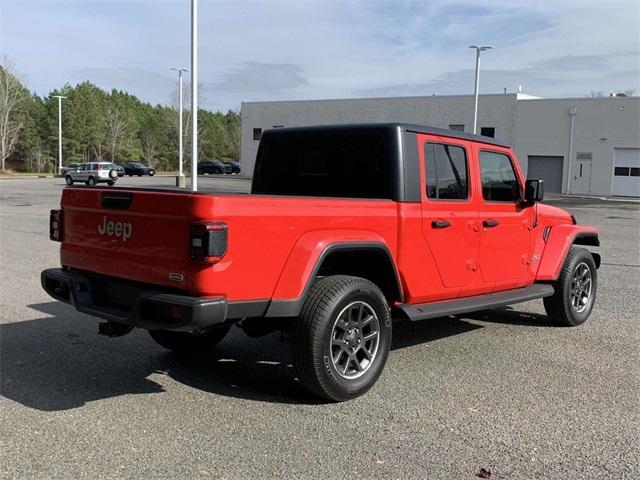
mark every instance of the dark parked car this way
{"type": "Point", "coordinates": [118, 168]}
{"type": "Point", "coordinates": [213, 166]}
{"type": "Point", "coordinates": [138, 169]}
{"type": "Point", "coordinates": [235, 167]}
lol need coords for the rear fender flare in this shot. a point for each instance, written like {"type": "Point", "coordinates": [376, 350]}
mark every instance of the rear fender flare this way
{"type": "Point", "coordinates": [305, 260]}
{"type": "Point", "coordinates": [558, 242]}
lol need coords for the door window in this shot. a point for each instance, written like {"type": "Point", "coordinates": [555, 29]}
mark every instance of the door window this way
{"type": "Point", "coordinates": [446, 172]}
{"type": "Point", "coordinates": [499, 180]}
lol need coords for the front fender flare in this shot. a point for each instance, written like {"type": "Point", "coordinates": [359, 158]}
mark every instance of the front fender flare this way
{"type": "Point", "coordinates": [558, 243]}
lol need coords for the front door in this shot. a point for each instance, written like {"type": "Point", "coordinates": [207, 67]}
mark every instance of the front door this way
{"type": "Point", "coordinates": [505, 224]}
{"type": "Point", "coordinates": [449, 209]}
{"type": "Point", "coordinates": [82, 172]}
{"type": "Point", "coordinates": [581, 181]}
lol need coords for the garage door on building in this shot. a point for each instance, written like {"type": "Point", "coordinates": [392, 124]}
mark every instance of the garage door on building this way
{"type": "Point", "coordinates": [547, 168]}
{"type": "Point", "coordinates": [626, 172]}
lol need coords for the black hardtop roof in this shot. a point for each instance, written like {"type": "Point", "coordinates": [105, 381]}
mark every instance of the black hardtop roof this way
{"type": "Point", "coordinates": [386, 126]}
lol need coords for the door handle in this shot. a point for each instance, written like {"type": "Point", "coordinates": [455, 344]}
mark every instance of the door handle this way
{"type": "Point", "coordinates": [440, 224]}
{"type": "Point", "coordinates": [490, 223]}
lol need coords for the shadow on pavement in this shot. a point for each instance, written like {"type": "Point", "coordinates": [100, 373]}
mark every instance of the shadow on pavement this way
{"type": "Point", "coordinates": [59, 362]}
{"type": "Point", "coordinates": [509, 316]}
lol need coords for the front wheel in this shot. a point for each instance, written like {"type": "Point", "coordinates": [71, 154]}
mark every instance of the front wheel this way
{"type": "Point", "coordinates": [340, 342]}
{"type": "Point", "coordinates": [68, 179]}
{"type": "Point", "coordinates": [186, 342]}
{"type": "Point", "coordinates": [575, 294]}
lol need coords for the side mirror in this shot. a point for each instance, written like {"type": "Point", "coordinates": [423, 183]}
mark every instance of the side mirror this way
{"type": "Point", "coordinates": [533, 191]}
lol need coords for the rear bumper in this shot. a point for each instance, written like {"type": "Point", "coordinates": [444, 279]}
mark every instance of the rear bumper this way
{"type": "Point", "coordinates": [151, 310]}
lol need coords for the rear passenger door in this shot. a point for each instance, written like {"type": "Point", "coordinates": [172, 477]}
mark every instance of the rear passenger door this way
{"type": "Point", "coordinates": [449, 209]}
{"type": "Point", "coordinates": [505, 223]}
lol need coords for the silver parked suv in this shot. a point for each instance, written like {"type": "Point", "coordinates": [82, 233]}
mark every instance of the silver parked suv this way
{"type": "Point", "coordinates": [92, 173]}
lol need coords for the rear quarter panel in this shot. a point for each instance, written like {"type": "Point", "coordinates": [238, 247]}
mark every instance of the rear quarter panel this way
{"type": "Point", "coordinates": [268, 232]}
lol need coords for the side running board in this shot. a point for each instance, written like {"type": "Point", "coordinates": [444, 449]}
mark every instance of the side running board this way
{"type": "Point", "coordinates": [424, 311]}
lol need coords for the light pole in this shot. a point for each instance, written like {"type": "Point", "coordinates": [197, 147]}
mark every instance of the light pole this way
{"type": "Point", "coordinates": [475, 108]}
{"type": "Point", "coordinates": [180, 180]}
{"type": "Point", "coordinates": [194, 95]}
{"type": "Point", "coordinates": [59, 97]}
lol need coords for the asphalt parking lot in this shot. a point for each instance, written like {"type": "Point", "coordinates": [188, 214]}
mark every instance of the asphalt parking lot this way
{"type": "Point", "coordinates": [501, 390]}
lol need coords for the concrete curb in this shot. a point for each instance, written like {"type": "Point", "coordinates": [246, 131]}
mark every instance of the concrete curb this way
{"type": "Point", "coordinates": [597, 197]}
{"type": "Point", "coordinates": [23, 177]}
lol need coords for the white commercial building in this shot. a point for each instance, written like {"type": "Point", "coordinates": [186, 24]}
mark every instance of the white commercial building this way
{"type": "Point", "coordinates": [601, 136]}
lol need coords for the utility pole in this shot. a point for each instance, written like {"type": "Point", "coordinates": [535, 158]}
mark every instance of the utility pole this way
{"type": "Point", "coordinates": [194, 95]}
{"type": "Point", "coordinates": [59, 97]}
{"type": "Point", "coordinates": [180, 181]}
{"type": "Point", "coordinates": [475, 108]}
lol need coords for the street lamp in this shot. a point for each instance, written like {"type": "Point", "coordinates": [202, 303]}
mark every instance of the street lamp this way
{"type": "Point", "coordinates": [194, 95]}
{"type": "Point", "coordinates": [180, 180]}
{"type": "Point", "coordinates": [59, 97]}
{"type": "Point", "coordinates": [475, 109]}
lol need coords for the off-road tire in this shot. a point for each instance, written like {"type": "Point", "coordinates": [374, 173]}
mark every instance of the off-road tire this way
{"type": "Point", "coordinates": [313, 331]}
{"type": "Point", "coordinates": [188, 342]}
{"type": "Point", "coordinates": [68, 179]}
{"type": "Point", "coordinates": [559, 306]}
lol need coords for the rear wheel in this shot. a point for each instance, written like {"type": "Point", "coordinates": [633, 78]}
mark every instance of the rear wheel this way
{"type": "Point", "coordinates": [575, 294]}
{"type": "Point", "coordinates": [186, 342]}
{"type": "Point", "coordinates": [111, 183]}
{"type": "Point", "coordinates": [91, 181]}
{"type": "Point", "coordinates": [68, 179]}
{"type": "Point", "coordinates": [340, 342]}
{"type": "Point", "coordinates": [139, 174]}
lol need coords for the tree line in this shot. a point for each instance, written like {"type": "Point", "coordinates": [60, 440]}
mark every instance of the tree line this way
{"type": "Point", "coordinates": [103, 126]}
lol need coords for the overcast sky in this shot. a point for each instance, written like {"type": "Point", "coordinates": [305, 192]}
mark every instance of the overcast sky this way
{"type": "Point", "coordinates": [280, 50]}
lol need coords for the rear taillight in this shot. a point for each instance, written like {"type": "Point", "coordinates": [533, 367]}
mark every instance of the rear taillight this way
{"type": "Point", "coordinates": [208, 242]}
{"type": "Point", "coordinates": [56, 225]}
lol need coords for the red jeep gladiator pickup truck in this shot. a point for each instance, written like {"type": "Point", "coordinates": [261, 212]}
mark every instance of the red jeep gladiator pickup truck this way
{"type": "Point", "coordinates": [346, 229]}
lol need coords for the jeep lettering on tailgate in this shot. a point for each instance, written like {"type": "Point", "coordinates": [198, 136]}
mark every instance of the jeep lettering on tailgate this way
{"type": "Point", "coordinates": [118, 229]}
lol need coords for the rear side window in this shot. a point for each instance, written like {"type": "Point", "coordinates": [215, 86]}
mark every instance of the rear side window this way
{"type": "Point", "coordinates": [350, 164]}
{"type": "Point", "coordinates": [446, 172]}
{"type": "Point", "coordinates": [499, 181]}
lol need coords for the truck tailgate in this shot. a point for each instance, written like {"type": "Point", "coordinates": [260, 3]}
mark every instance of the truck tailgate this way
{"type": "Point", "coordinates": [141, 235]}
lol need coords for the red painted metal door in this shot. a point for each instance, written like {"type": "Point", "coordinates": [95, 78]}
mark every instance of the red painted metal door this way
{"type": "Point", "coordinates": [449, 208]}
{"type": "Point", "coordinates": [505, 223]}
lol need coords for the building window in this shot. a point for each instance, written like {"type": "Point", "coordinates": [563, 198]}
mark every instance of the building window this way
{"type": "Point", "coordinates": [635, 172]}
{"type": "Point", "coordinates": [446, 172]}
{"type": "Point", "coordinates": [488, 132]}
{"type": "Point", "coordinates": [457, 126]}
{"type": "Point", "coordinates": [257, 133]}
{"type": "Point", "coordinates": [621, 171]}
